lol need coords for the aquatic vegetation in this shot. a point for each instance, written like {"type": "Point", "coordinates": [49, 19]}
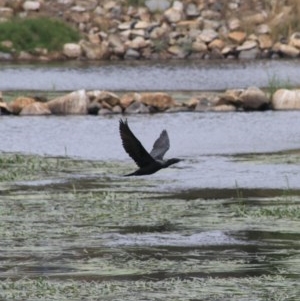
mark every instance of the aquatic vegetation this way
{"type": "Point", "coordinates": [71, 229]}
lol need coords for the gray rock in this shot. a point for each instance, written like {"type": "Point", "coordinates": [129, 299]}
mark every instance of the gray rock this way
{"type": "Point", "coordinates": [250, 54]}
{"type": "Point", "coordinates": [157, 5]}
{"type": "Point", "coordinates": [132, 54]}
{"type": "Point", "coordinates": [254, 99]}
{"type": "Point", "coordinates": [137, 107]}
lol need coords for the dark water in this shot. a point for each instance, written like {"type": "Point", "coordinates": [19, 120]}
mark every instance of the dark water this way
{"type": "Point", "coordinates": [153, 76]}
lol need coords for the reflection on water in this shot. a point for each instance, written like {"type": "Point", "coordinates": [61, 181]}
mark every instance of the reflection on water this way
{"type": "Point", "coordinates": [153, 76]}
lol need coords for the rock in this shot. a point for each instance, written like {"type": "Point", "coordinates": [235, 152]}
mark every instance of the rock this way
{"type": "Point", "coordinates": [36, 108]}
{"type": "Point", "coordinates": [208, 35]}
{"type": "Point", "coordinates": [203, 105]}
{"type": "Point", "coordinates": [158, 100]}
{"type": "Point", "coordinates": [256, 19]}
{"type": "Point", "coordinates": [295, 40]}
{"type": "Point", "coordinates": [224, 108]}
{"type": "Point", "coordinates": [72, 103]}
{"type": "Point", "coordinates": [254, 99]}
{"type": "Point", "coordinates": [288, 50]}
{"type": "Point", "coordinates": [128, 98]}
{"type": "Point", "coordinates": [234, 24]}
{"type": "Point", "coordinates": [131, 54]}
{"type": "Point", "coordinates": [104, 111]}
{"type": "Point", "coordinates": [230, 97]}
{"type": "Point", "coordinates": [237, 37]}
{"type": "Point", "coordinates": [95, 51]}
{"type": "Point", "coordinates": [173, 15]}
{"type": "Point", "coordinates": [116, 43]}
{"type": "Point", "coordinates": [263, 29]}
{"type": "Point", "coordinates": [137, 107]}
{"type": "Point", "coordinates": [16, 106]}
{"type": "Point", "coordinates": [31, 5]}
{"type": "Point", "coordinates": [216, 44]}
{"type": "Point", "coordinates": [177, 51]}
{"type": "Point", "coordinates": [247, 45]}
{"type": "Point", "coordinates": [4, 109]}
{"type": "Point", "coordinates": [249, 54]}
{"type": "Point", "coordinates": [25, 56]}
{"type": "Point", "coordinates": [198, 46]}
{"type": "Point", "coordinates": [137, 43]}
{"type": "Point", "coordinates": [192, 11]}
{"type": "Point", "coordinates": [110, 98]}
{"type": "Point", "coordinates": [265, 41]}
{"type": "Point", "coordinates": [5, 56]}
{"type": "Point", "coordinates": [284, 99]}
{"type": "Point", "coordinates": [117, 109]}
{"type": "Point", "coordinates": [72, 50]}
{"type": "Point", "coordinates": [93, 108]}
{"type": "Point", "coordinates": [157, 5]}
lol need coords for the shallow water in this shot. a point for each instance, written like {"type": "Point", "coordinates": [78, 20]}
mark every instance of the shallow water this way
{"type": "Point", "coordinates": [206, 142]}
{"type": "Point", "coordinates": [152, 76]}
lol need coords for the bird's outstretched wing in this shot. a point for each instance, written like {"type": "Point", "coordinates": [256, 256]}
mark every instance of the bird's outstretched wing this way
{"type": "Point", "coordinates": [160, 146]}
{"type": "Point", "coordinates": [133, 146]}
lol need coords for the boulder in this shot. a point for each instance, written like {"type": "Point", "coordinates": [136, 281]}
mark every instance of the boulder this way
{"type": "Point", "coordinates": [284, 99]}
{"type": "Point", "coordinates": [295, 40]}
{"type": "Point", "coordinates": [109, 98]}
{"type": "Point", "coordinates": [237, 37]}
{"type": "Point", "coordinates": [72, 50]}
{"type": "Point", "coordinates": [249, 54]}
{"type": "Point", "coordinates": [94, 107]}
{"type": "Point", "coordinates": [72, 103]}
{"type": "Point", "coordinates": [36, 108]}
{"type": "Point", "coordinates": [137, 107]}
{"type": "Point", "coordinates": [224, 108]}
{"type": "Point", "coordinates": [288, 50]}
{"type": "Point", "coordinates": [208, 35]}
{"type": "Point", "coordinates": [16, 106]}
{"type": "Point", "coordinates": [254, 99]}
{"type": "Point", "coordinates": [128, 98]}
{"type": "Point", "coordinates": [157, 5]}
{"type": "Point", "coordinates": [173, 15]}
{"type": "Point", "coordinates": [95, 51]}
{"type": "Point", "coordinates": [4, 108]}
{"type": "Point", "coordinates": [158, 100]}
{"type": "Point", "coordinates": [265, 41]}
{"type": "Point", "coordinates": [31, 5]}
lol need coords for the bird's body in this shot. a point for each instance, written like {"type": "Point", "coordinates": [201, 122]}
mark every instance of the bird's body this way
{"type": "Point", "coordinates": [148, 163]}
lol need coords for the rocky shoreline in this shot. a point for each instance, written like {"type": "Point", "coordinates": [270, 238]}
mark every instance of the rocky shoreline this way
{"type": "Point", "coordinates": [165, 29]}
{"type": "Point", "coordinates": [98, 102]}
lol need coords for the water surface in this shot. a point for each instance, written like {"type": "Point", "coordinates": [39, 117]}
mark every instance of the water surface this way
{"type": "Point", "coordinates": [149, 76]}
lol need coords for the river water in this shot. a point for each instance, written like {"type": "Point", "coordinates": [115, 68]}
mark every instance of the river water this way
{"type": "Point", "coordinates": [223, 224]}
{"type": "Point", "coordinates": [207, 142]}
{"type": "Point", "coordinates": [153, 76]}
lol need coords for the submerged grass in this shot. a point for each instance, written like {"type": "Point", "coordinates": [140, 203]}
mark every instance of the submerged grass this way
{"type": "Point", "coordinates": [71, 229]}
{"type": "Point", "coordinates": [248, 288]}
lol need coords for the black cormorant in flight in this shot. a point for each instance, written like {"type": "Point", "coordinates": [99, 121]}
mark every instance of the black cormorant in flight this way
{"type": "Point", "coordinates": [147, 163]}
